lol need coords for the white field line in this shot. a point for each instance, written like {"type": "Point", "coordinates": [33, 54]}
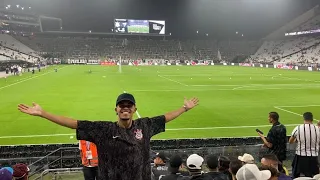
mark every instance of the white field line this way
{"type": "Point", "coordinates": [277, 76]}
{"type": "Point", "coordinates": [199, 90]}
{"type": "Point", "coordinates": [209, 85]}
{"type": "Point", "coordinates": [28, 79]}
{"type": "Point", "coordinates": [301, 106]}
{"type": "Point", "coordinates": [299, 79]}
{"type": "Point", "coordinates": [168, 129]}
{"type": "Point", "coordinates": [173, 80]}
{"type": "Point", "coordinates": [287, 111]}
{"type": "Point", "coordinates": [236, 88]}
{"type": "Point", "coordinates": [137, 110]}
{"type": "Point", "coordinates": [282, 109]}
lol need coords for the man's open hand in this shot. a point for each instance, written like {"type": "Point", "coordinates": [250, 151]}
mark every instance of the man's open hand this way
{"type": "Point", "coordinates": [190, 103]}
{"type": "Point", "coordinates": [34, 110]}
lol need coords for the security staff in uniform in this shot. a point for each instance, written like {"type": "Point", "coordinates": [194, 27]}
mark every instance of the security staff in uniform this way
{"type": "Point", "coordinates": [89, 158]}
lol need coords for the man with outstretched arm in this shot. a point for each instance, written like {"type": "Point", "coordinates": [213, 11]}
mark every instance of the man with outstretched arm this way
{"type": "Point", "coordinates": [123, 146]}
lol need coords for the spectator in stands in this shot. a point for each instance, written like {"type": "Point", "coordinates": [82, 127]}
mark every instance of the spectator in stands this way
{"type": "Point", "coordinates": [213, 163]}
{"type": "Point", "coordinates": [6, 165]}
{"type": "Point", "coordinates": [234, 167]}
{"type": "Point", "coordinates": [276, 140]}
{"type": "Point", "coordinates": [5, 174]}
{"type": "Point", "coordinates": [123, 146]}
{"type": "Point", "coordinates": [307, 137]}
{"type": "Point", "coordinates": [246, 159]}
{"type": "Point", "coordinates": [174, 166]}
{"type": "Point", "coordinates": [317, 177]}
{"type": "Point", "coordinates": [20, 171]}
{"type": "Point", "coordinates": [252, 172]}
{"type": "Point", "coordinates": [224, 163]}
{"type": "Point", "coordinates": [89, 159]}
{"type": "Point", "coordinates": [274, 172]}
{"type": "Point", "coordinates": [272, 160]}
{"type": "Point", "coordinates": [160, 168]}
{"type": "Point", "coordinates": [194, 165]}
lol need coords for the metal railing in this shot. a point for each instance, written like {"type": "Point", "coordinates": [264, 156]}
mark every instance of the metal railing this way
{"type": "Point", "coordinates": [54, 159]}
{"type": "Point", "coordinates": [57, 173]}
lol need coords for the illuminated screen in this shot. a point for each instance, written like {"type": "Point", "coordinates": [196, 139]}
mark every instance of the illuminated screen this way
{"type": "Point", "coordinates": [139, 26]}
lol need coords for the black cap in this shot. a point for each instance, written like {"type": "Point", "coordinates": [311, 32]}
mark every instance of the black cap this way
{"type": "Point", "coordinates": [175, 161]}
{"type": "Point", "coordinates": [125, 97]}
{"type": "Point", "coordinates": [162, 156]}
{"type": "Point", "coordinates": [212, 161]}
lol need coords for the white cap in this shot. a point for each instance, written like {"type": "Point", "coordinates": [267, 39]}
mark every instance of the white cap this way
{"type": "Point", "coordinates": [246, 158]}
{"type": "Point", "coordinates": [251, 172]}
{"type": "Point", "coordinates": [304, 178]}
{"type": "Point", "coordinates": [194, 161]}
{"type": "Point", "coordinates": [317, 177]}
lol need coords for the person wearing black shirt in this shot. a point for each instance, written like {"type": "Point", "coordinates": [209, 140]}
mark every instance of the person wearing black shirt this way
{"type": "Point", "coordinates": [160, 168]}
{"type": "Point", "coordinates": [213, 164]}
{"type": "Point", "coordinates": [174, 165]}
{"type": "Point", "coordinates": [276, 140]}
{"type": "Point", "coordinates": [123, 146]}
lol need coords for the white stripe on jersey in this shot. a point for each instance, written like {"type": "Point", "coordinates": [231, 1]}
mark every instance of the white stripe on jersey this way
{"type": "Point", "coordinates": [308, 139]}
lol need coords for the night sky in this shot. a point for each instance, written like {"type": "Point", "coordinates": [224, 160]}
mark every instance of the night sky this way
{"type": "Point", "coordinates": [218, 18]}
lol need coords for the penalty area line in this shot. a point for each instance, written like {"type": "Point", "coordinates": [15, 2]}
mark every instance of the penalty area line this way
{"type": "Point", "coordinates": [278, 107]}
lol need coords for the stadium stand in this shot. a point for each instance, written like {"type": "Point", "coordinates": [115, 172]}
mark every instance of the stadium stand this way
{"type": "Point", "coordinates": [271, 51]}
{"type": "Point", "coordinates": [19, 49]}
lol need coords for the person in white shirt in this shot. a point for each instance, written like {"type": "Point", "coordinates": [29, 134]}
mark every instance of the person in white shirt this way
{"type": "Point", "coordinates": [307, 137]}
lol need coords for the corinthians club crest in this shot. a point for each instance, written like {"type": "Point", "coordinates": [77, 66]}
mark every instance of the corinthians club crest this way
{"type": "Point", "coordinates": [139, 134]}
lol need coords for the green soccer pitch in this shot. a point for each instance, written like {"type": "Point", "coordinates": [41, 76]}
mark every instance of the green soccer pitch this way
{"type": "Point", "coordinates": [234, 101]}
{"type": "Point", "coordinates": [138, 29]}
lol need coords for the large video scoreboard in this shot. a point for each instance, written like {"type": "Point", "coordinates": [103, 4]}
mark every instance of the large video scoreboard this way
{"type": "Point", "coordinates": [139, 26]}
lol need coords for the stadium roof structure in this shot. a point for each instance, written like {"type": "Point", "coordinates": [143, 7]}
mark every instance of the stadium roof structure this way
{"type": "Point", "coordinates": [289, 27]}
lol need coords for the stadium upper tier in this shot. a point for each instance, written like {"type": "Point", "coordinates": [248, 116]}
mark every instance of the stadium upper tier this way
{"type": "Point", "coordinates": [295, 49]}
{"type": "Point", "coordinates": [312, 24]}
{"type": "Point", "coordinates": [101, 48]}
{"type": "Point", "coordinates": [10, 48]}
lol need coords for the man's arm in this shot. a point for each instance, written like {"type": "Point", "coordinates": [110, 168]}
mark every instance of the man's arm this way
{"type": "Point", "coordinates": [188, 104]}
{"type": "Point", "coordinates": [265, 141]}
{"type": "Point", "coordinates": [174, 114]}
{"type": "Point", "coordinates": [36, 110]}
{"type": "Point", "coordinates": [61, 120]}
{"type": "Point", "coordinates": [292, 140]}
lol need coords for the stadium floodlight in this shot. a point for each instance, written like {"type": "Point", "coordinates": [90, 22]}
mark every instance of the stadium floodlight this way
{"type": "Point", "coordinates": [197, 32]}
{"type": "Point", "coordinates": [18, 5]}
{"type": "Point", "coordinates": [170, 34]}
{"type": "Point", "coordinates": [207, 34]}
{"type": "Point", "coordinates": [7, 7]}
{"type": "Point", "coordinates": [237, 32]}
{"type": "Point", "coordinates": [242, 35]}
{"type": "Point", "coordinates": [89, 31]}
{"type": "Point", "coordinates": [22, 8]}
{"type": "Point", "coordinates": [29, 7]}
